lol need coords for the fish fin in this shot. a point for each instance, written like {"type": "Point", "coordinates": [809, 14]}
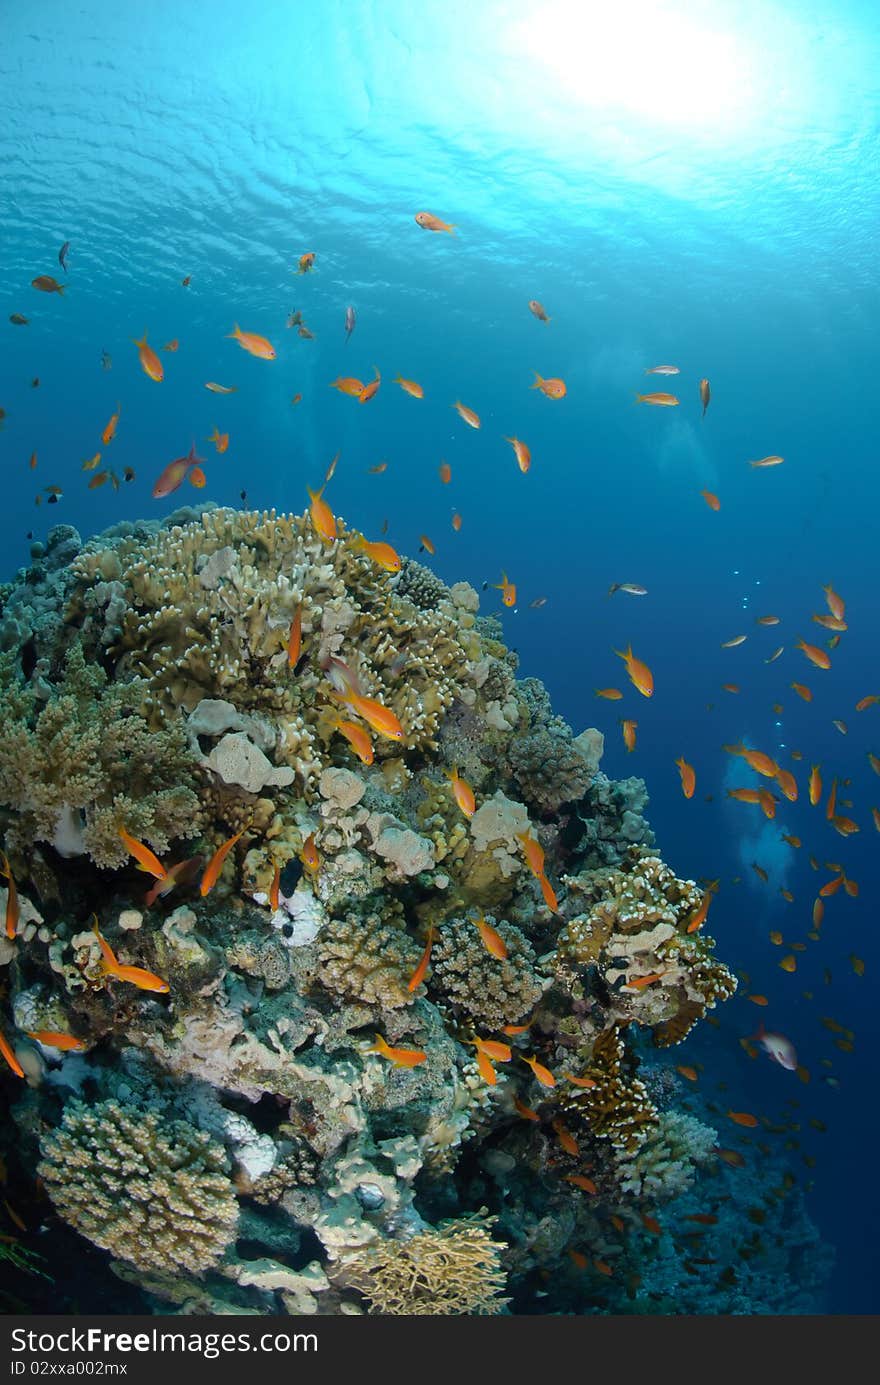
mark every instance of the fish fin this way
{"type": "Point", "coordinates": [539, 380]}
{"type": "Point", "coordinates": [236, 332]}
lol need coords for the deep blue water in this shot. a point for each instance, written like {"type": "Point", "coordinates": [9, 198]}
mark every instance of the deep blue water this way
{"type": "Point", "coordinates": [692, 183]}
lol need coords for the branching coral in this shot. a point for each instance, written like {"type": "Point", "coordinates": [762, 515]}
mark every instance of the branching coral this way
{"type": "Point", "coordinates": [155, 1193]}
{"type": "Point", "coordinates": [83, 764]}
{"type": "Point", "coordinates": [617, 1108]}
{"type": "Point", "coordinates": [367, 956]}
{"type": "Point", "coordinates": [485, 990]}
{"type": "Point", "coordinates": [451, 1270]}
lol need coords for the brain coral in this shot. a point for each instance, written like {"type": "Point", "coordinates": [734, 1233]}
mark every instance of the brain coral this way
{"type": "Point", "coordinates": [450, 1270]}
{"type": "Point", "coordinates": [481, 988]}
{"type": "Point", "coordinates": [155, 1193]}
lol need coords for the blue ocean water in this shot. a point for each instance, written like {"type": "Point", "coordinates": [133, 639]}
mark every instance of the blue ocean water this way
{"type": "Point", "coordinates": [694, 184]}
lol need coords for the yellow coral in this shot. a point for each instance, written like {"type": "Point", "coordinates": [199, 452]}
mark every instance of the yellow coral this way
{"type": "Point", "coordinates": [452, 1270]}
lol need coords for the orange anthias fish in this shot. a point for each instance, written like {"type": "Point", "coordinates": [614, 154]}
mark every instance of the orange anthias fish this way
{"type": "Point", "coordinates": [171, 345]}
{"type": "Point", "coordinates": [565, 1138]}
{"type": "Point", "coordinates": [418, 975]}
{"type": "Point", "coordinates": [54, 1039]}
{"type": "Point", "coordinates": [198, 478]}
{"type": "Point", "coordinates": [865, 702]}
{"type": "Point", "coordinates": [400, 1057]}
{"type": "Point", "coordinates": [135, 976]}
{"type": "Point", "coordinates": [275, 890]}
{"type": "Point", "coordinates": [491, 939]}
{"type": "Point", "coordinates": [445, 471]}
{"type": "Point", "coordinates": [471, 418]}
{"type": "Point", "coordinates": [690, 1073]}
{"type": "Point", "coordinates": [639, 983]}
{"type": "Point", "coordinates": [610, 694]}
{"type": "Point", "coordinates": [150, 363]}
{"type": "Point", "coordinates": [358, 738]}
{"type": "Point", "coordinates": [429, 222]}
{"type": "Point", "coordinates": [323, 519]}
{"type": "Point", "coordinates": [580, 1180]}
{"type": "Point", "coordinates": [369, 390]}
{"type": "Point", "coordinates": [538, 310]}
{"type": "Point", "coordinates": [12, 905]}
{"type": "Point", "coordinates": [379, 717]}
{"type": "Point", "coordinates": [294, 641]}
{"type": "Point", "coordinates": [109, 432]}
{"type": "Point", "coordinates": [215, 865]}
{"type": "Point", "coordinates": [220, 440]}
{"type": "Point", "coordinates": [688, 777]}
{"type": "Point", "coordinates": [8, 1054]}
{"type": "Point", "coordinates": [580, 1081]}
{"type": "Point", "coordinates": [462, 791]}
{"type": "Point", "coordinates": [382, 554]}
{"type": "Point", "coordinates": [410, 387]}
{"type": "Point", "coordinates": [815, 785]}
{"type": "Point", "coordinates": [542, 1074]}
{"type": "Point", "coordinates": [549, 894]}
{"type": "Point", "coordinates": [347, 384]}
{"type": "Point", "coordinates": [755, 759]}
{"type": "Point", "coordinates": [836, 604]}
{"type": "Point", "coordinates": [306, 262]}
{"type": "Point", "coordinates": [629, 728]}
{"type": "Point", "coordinates": [554, 388]}
{"type": "Point", "coordinates": [456, 521]}
{"type": "Point", "coordinates": [533, 852]}
{"type": "Point", "coordinates": [171, 478]}
{"type": "Point", "coordinates": [525, 1111]}
{"type": "Point", "coordinates": [253, 343]}
{"type": "Point", "coordinates": [507, 590]}
{"type": "Point", "coordinates": [309, 854]}
{"type": "Point", "coordinates": [803, 691]}
{"type": "Point", "coordinates": [640, 675]}
{"type": "Point", "coordinates": [711, 500]}
{"type": "Point", "coordinates": [743, 1118]}
{"type": "Point", "coordinates": [521, 452]}
{"type": "Point", "coordinates": [698, 918]}
{"type": "Point", "coordinates": [146, 859]}
{"type": "Point", "coordinates": [787, 783]}
{"type": "Point", "coordinates": [815, 655]}
{"type": "Point", "coordinates": [665, 401]}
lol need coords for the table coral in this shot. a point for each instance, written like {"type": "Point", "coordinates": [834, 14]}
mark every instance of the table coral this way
{"type": "Point", "coordinates": [156, 1194]}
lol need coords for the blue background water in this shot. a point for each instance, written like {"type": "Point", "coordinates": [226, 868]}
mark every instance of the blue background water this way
{"type": "Point", "coordinates": [691, 183]}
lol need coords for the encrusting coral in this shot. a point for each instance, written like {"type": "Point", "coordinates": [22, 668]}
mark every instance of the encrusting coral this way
{"type": "Point", "coordinates": [288, 1048]}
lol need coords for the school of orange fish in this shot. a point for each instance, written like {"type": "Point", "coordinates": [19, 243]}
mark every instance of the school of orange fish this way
{"type": "Point", "coordinates": [383, 722]}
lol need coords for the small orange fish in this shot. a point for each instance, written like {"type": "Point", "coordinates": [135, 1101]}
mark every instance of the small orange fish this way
{"type": "Point", "coordinates": [418, 975]}
{"type": "Point", "coordinates": [815, 786]}
{"type": "Point", "coordinates": [309, 854]}
{"type": "Point", "coordinates": [690, 1073]}
{"type": "Point", "coordinates": [380, 718]}
{"type": "Point", "coordinates": [110, 431]}
{"type": "Point", "coordinates": [538, 310]}
{"type": "Point", "coordinates": [492, 940]}
{"type": "Point", "coordinates": [874, 762]}
{"type": "Point", "coordinates": [358, 739]}
{"type": "Point", "coordinates": [766, 620]}
{"type": "Point", "coordinates": [629, 728]}
{"type": "Point", "coordinates": [377, 469]}
{"type": "Point", "coordinates": [553, 388]}
{"type": "Point", "coordinates": [549, 894]}
{"type": "Point", "coordinates": [400, 1057]}
{"type": "Point", "coordinates": [369, 390]}
{"type": "Point", "coordinates": [150, 363]}
{"type": "Point", "coordinates": [429, 222]}
{"type": "Point", "coordinates": [494, 1049]}
{"type": "Point", "coordinates": [792, 841]}
{"type": "Point", "coordinates": [698, 917]}
{"type": "Point", "coordinates": [9, 1055]}
{"type": "Point", "coordinates": [640, 983]}
{"type": "Point", "coordinates": [743, 1118]}
{"type": "Point", "coordinates": [185, 283]}
{"type": "Point", "coordinates": [578, 1259]}
{"type": "Point", "coordinates": [802, 691]}
{"type": "Point", "coordinates": [865, 702]}
{"type": "Point", "coordinates": [323, 519]}
{"type": "Point", "coordinates": [445, 471]}
{"type": "Point", "coordinates": [816, 656]}
{"type": "Point", "coordinates": [382, 554]}
{"type": "Point", "coordinates": [521, 452]}
{"type": "Point", "coordinates": [664, 401]}
{"type": "Point", "coordinates": [220, 440]}
{"type": "Point", "coordinates": [253, 343]}
{"type": "Point", "coordinates": [275, 890]}
{"type": "Point", "coordinates": [836, 604]}
{"type": "Point", "coordinates": [875, 814]}
{"type": "Point", "coordinates": [303, 331]}
{"type": "Point", "coordinates": [579, 1180]}
{"type": "Point", "coordinates": [758, 999]}
{"type": "Point", "coordinates": [610, 694]}
{"type": "Point", "coordinates": [297, 399]}
{"type": "Point", "coordinates": [543, 1075]}
{"type": "Point", "coordinates": [197, 478]}
{"type": "Point", "coordinates": [567, 1142]}
{"type": "Point", "coordinates": [146, 859]}
{"type": "Point", "coordinates": [470, 418]}
{"type": "Point", "coordinates": [484, 1067]}
{"type": "Point", "coordinates": [760, 872]}
{"type": "Point", "coordinates": [711, 500]}
{"type": "Point", "coordinates": [830, 623]}
{"type": "Point", "coordinates": [844, 825]}
{"type": "Point", "coordinates": [730, 687]}
{"type": "Point", "coordinates": [306, 262]}
{"type": "Point", "coordinates": [98, 480]}
{"type": "Point", "coordinates": [736, 640]}
{"type": "Point", "coordinates": [456, 521]}
{"type": "Point", "coordinates": [507, 590]}
{"type": "Point", "coordinates": [768, 461]}
{"type": "Point", "coordinates": [348, 384]}
{"type": "Point", "coordinates": [463, 793]}
{"type": "Point", "coordinates": [789, 963]}
{"type": "Point", "coordinates": [410, 387]}
{"type": "Point", "coordinates": [831, 886]}
{"type": "Point", "coordinates": [580, 1081]}
{"type": "Point", "coordinates": [215, 865]}
{"type": "Point", "coordinates": [603, 1267]}
{"type": "Point", "coordinates": [171, 345]}
{"type": "Point", "coordinates": [704, 396]}
{"type": "Point", "coordinates": [787, 783]}
{"type": "Point", "coordinates": [294, 640]}
{"type": "Point", "coordinates": [426, 544]}
{"type": "Point", "coordinates": [640, 675]}
{"type": "Point", "coordinates": [135, 976]}
{"type": "Point", "coordinates": [525, 1111]}
{"type": "Point", "coordinates": [731, 1157]}
{"type": "Point", "coordinates": [515, 1028]}
{"type": "Point", "coordinates": [688, 777]}
{"type": "Point", "coordinates": [651, 1224]}
{"type": "Point", "coordinates": [533, 852]}
{"type": "Point", "coordinates": [53, 1039]}
{"type": "Point", "coordinates": [33, 461]}
{"type": "Point", "coordinates": [12, 905]}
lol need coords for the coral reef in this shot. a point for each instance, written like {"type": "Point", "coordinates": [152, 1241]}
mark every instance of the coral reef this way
{"type": "Point", "coordinates": [299, 1082]}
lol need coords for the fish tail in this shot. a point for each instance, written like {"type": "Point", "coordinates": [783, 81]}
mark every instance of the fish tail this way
{"type": "Point", "coordinates": [236, 332]}
{"type": "Point", "coordinates": [539, 380]}
{"type": "Point", "coordinates": [143, 340]}
{"type": "Point", "coordinates": [108, 963]}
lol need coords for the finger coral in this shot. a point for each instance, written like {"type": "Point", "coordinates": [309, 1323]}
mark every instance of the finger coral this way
{"type": "Point", "coordinates": [478, 987]}
{"type": "Point", "coordinates": [157, 1194]}
{"type": "Point", "coordinates": [452, 1269]}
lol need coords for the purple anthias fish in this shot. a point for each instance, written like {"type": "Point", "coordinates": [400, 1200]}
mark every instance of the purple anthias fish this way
{"type": "Point", "coordinates": [350, 320]}
{"type": "Point", "coordinates": [778, 1047]}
